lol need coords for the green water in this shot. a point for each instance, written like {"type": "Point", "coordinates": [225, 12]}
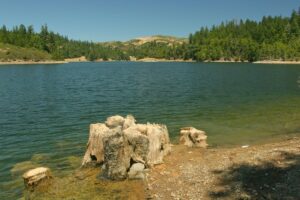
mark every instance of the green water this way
{"type": "Point", "coordinates": [45, 110]}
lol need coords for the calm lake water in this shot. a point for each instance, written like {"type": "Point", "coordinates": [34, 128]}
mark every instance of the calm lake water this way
{"type": "Point", "coordinates": [45, 110]}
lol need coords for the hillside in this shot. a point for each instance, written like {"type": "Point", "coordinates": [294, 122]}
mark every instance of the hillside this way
{"type": "Point", "coordinates": [13, 53]}
{"type": "Point", "coordinates": [170, 40]}
{"type": "Point", "coordinates": [157, 46]}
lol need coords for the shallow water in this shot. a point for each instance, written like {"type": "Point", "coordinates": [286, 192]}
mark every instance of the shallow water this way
{"type": "Point", "coordinates": [45, 110]}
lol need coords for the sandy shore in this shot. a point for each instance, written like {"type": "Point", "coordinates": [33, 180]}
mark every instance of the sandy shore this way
{"type": "Point", "coordinates": [78, 59]}
{"type": "Point", "coordinates": [81, 59]}
{"type": "Point", "coordinates": [265, 171]}
{"type": "Point", "coordinates": [268, 171]}
{"type": "Point", "coordinates": [276, 62]}
{"type": "Point", "coordinates": [164, 60]}
{"type": "Point", "coordinates": [224, 61]}
{"type": "Point", "coordinates": [147, 59]}
{"type": "Point", "coordinates": [32, 62]}
{"type": "Point", "coordinates": [256, 62]}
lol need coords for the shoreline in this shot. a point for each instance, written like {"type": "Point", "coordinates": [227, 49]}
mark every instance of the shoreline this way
{"type": "Point", "coordinates": [256, 62]}
{"type": "Point", "coordinates": [33, 62]}
{"type": "Point", "coordinates": [85, 61]}
{"type": "Point", "coordinates": [224, 61]}
{"type": "Point", "coordinates": [241, 172]}
{"type": "Point", "coordinates": [277, 62]}
{"type": "Point", "coordinates": [149, 60]}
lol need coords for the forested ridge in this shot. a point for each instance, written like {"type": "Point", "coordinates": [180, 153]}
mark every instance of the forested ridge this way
{"type": "Point", "coordinates": [272, 38]}
{"type": "Point", "coordinates": [58, 46]}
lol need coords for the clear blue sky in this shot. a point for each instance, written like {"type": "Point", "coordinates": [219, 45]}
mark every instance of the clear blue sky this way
{"type": "Point", "coordinates": [106, 20]}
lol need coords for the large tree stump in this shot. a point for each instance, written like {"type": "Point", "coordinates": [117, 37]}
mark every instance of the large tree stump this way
{"type": "Point", "coordinates": [120, 143]}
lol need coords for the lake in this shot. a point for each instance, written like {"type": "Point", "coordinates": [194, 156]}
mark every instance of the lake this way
{"type": "Point", "coordinates": [45, 110]}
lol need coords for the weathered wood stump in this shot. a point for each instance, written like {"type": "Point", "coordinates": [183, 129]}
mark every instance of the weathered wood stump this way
{"type": "Point", "coordinates": [192, 137]}
{"type": "Point", "coordinates": [34, 176]}
{"type": "Point", "coordinates": [119, 144]}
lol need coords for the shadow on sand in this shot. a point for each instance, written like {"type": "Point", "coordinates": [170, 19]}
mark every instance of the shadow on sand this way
{"type": "Point", "coordinates": [275, 179]}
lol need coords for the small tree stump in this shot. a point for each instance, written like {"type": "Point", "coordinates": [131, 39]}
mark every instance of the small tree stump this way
{"type": "Point", "coordinates": [34, 176]}
{"type": "Point", "coordinates": [192, 137]}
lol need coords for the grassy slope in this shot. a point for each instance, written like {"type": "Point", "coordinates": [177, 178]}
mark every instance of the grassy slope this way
{"type": "Point", "coordinates": [12, 53]}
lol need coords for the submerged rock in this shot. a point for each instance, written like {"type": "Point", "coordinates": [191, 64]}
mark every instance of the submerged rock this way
{"type": "Point", "coordinates": [34, 176]}
{"type": "Point", "coordinates": [193, 137]}
{"type": "Point", "coordinates": [120, 144]}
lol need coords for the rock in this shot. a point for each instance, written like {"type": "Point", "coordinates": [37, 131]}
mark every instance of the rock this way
{"type": "Point", "coordinates": [34, 176]}
{"type": "Point", "coordinates": [120, 143]}
{"type": "Point", "coordinates": [114, 121]}
{"type": "Point", "coordinates": [136, 171]}
{"type": "Point", "coordinates": [192, 137]}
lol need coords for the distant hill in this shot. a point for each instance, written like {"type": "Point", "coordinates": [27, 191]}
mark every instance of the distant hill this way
{"type": "Point", "coordinates": [157, 46]}
{"type": "Point", "coordinates": [163, 39]}
{"type": "Point", "coordinates": [158, 39]}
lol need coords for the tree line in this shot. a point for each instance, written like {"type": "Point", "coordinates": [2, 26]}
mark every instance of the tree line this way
{"type": "Point", "coordinates": [60, 47]}
{"type": "Point", "coordinates": [271, 38]}
{"type": "Point", "coordinates": [244, 40]}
